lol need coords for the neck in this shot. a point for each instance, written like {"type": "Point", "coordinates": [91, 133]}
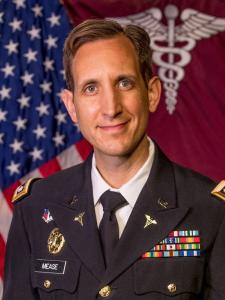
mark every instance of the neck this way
{"type": "Point", "coordinates": [118, 170]}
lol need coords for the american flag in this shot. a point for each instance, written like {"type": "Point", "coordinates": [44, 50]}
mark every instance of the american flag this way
{"type": "Point", "coordinates": [37, 137]}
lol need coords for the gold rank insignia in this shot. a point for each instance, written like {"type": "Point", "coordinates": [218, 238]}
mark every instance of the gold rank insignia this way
{"type": "Point", "coordinates": [56, 241]}
{"type": "Point", "coordinates": [23, 190]}
{"type": "Point", "coordinates": [219, 190]}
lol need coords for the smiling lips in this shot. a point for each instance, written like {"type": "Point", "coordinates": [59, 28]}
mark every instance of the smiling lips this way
{"type": "Point", "coordinates": [113, 127]}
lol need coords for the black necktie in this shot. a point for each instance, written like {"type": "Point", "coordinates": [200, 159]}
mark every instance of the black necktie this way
{"type": "Point", "coordinates": [109, 231]}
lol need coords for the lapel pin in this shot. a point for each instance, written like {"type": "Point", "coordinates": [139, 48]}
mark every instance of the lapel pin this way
{"type": "Point", "coordinates": [56, 241]}
{"type": "Point", "coordinates": [73, 201]}
{"type": "Point", "coordinates": [149, 221]}
{"type": "Point", "coordinates": [47, 216]}
{"type": "Point", "coordinates": [162, 203]}
{"type": "Point", "coordinates": [79, 218]}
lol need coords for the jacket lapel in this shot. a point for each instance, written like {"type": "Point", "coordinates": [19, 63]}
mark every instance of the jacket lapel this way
{"type": "Point", "coordinates": [156, 201]}
{"type": "Point", "coordinates": [76, 220]}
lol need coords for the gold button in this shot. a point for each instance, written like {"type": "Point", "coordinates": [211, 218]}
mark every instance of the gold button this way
{"type": "Point", "coordinates": [105, 291]}
{"type": "Point", "coordinates": [172, 287]}
{"type": "Point", "coordinates": [47, 284]}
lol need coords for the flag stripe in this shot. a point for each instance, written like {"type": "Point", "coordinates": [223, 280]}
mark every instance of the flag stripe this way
{"type": "Point", "coordinates": [84, 148]}
{"type": "Point", "coordinates": [2, 251]}
{"type": "Point", "coordinates": [8, 192]}
{"type": "Point", "coordinates": [49, 168]}
{"type": "Point", "coordinates": [69, 157]}
{"type": "Point", "coordinates": [5, 217]}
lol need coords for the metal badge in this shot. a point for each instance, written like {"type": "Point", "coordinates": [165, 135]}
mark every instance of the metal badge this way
{"type": "Point", "coordinates": [162, 203]}
{"type": "Point", "coordinates": [47, 217]}
{"type": "Point", "coordinates": [79, 218]}
{"type": "Point", "coordinates": [149, 221]}
{"type": "Point", "coordinates": [56, 241]}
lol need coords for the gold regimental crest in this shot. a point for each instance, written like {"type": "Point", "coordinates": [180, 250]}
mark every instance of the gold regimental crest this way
{"type": "Point", "coordinates": [219, 190]}
{"type": "Point", "coordinates": [23, 190]}
{"type": "Point", "coordinates": [56, 241]}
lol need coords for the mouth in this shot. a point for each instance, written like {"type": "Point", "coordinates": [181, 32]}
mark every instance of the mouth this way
{"type": "Point", "coordinates": [113, 127]}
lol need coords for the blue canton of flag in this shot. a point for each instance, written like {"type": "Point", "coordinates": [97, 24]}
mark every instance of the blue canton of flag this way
{"type": "Point", "coordinates": [34, 126]}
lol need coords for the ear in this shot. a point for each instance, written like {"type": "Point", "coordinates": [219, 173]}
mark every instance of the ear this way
{"type": "Point", "coordinates": [67, 98]}
{"type": "Point", "coordinates": [154, 93]}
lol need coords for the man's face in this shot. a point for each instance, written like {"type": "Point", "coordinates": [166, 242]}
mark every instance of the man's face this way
{"type": "Point", "coordinates": [110, 101]}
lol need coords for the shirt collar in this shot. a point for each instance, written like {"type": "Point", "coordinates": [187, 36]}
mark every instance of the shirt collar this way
{"type": "Point", "coordinates": [130, 190]}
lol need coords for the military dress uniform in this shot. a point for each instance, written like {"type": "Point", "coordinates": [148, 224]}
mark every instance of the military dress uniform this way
{"type": "Point", "coordinates": [173, 245]}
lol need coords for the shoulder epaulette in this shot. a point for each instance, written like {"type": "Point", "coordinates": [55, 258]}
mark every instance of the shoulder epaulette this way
{"type": "Point", "coordinates": [23, 190]}
{"type": "Point", "coordinates": [219, 190]}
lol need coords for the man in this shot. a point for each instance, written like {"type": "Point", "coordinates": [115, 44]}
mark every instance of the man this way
{"type": "Point", "coordinates": [164, 237]}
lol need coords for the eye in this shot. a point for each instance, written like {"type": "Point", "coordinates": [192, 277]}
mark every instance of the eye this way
{"type": "Point", "coordinates": [90, 89]}
{"type": "Point", "coordinates": [125, 84]}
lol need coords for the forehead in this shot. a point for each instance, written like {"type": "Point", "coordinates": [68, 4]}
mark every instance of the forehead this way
{"type": "Point", "coordinates": [116, 53]}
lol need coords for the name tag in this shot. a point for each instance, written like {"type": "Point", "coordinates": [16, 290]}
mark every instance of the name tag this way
{"type": "Point", "coordinates": [50, 266]}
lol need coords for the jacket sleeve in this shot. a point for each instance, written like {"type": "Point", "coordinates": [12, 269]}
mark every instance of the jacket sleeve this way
{"type": "Point", "coordinates": [17, 278]}
{"type": "Point", "coordinates": [215, 273]}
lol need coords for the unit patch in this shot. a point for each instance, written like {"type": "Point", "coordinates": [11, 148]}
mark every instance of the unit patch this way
{"type": "Point", "coordinates": [179, 243]}
{"type": "Point", "coordinates": [50, 266]}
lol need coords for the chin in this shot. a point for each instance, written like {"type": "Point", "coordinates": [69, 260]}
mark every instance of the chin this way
{"type": "Point", "coordinates": [119, 150]}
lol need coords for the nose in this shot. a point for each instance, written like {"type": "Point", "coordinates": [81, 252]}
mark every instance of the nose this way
{"type": "Point", "coordinates": [111, 103]}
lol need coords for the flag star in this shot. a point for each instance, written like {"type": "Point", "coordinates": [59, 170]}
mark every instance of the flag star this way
{"type": "Point", "coordinates": [51, 41]}
{"type": "Point", "coordinates": [16, 24]}
{"type": "Point", "coordinates": [77, 127]}
{"type": "Point", "coordinates": [60, 117]}
{"type": "Point", "coordinates": [34, 33]}
{"type": "Point", "coordinates": [46, 87]}
{"type": "Point", "coordinates": [36, 154]}
{"type": "Point", "coordinates": [40, 132]}
{"type": "Point", "coordinates": [37, 9]}
{"type": "Point", "coordinates": [19, 3]}
{"type": "Point", "coordinates": [54, 20]}
{"type": "Point", "coordinates": [8, 70]}
{"type": "Point", "coordinates": [30, 55]}
{"type": "Point", "coordinates": [12, 47]}
{"type": "Point", "coordinates": [1, 17]}
{"type": "Point", "coordinates": [24, 101]}
{"type": "Point", "coordinates": [27, 78]}
{"type": "Point", "coordinates": [48, 64]}
{"type": "Point", "coordinates": [4, 92]}
{"type": "Point", "coordinates": [3, 114]}
{"type": "Point", "coordinates": [58, 139]}
{"type": "Point", "coordinates": [59, 94]}
{"type": "Point", "coordinates": [1, 138]}
{"type": "Point", "coordinates": [20, 123]}
{"type": "Point", "coordinates": [63, 74]}
{"type": "Point", "coordinates": [43, 109]}
{"type": "Point", "coordinates": [16, 146]}
{"type": "Point", "coordinates": [13, 168]}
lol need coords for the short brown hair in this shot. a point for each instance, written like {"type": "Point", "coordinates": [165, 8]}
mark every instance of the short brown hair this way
{"type": "Point", "coordinates": [92, 30]}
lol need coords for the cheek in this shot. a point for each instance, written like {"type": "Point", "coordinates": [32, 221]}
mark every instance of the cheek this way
{"type": "Point", "coordinates": [86, 111]}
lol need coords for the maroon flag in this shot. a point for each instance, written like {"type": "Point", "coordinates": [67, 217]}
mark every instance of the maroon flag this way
{"type": "Point", "coordinates": [188, 41]}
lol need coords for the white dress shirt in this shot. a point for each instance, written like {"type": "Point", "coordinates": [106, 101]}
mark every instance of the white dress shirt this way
{"type": "Point", "coordinates": [130, 190]}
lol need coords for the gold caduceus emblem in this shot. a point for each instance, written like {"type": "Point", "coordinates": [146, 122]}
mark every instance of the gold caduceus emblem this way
{"type": "Point", "coordinates": [56, 241]}
{"type": "Point", "coordinates": [149, 221]}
